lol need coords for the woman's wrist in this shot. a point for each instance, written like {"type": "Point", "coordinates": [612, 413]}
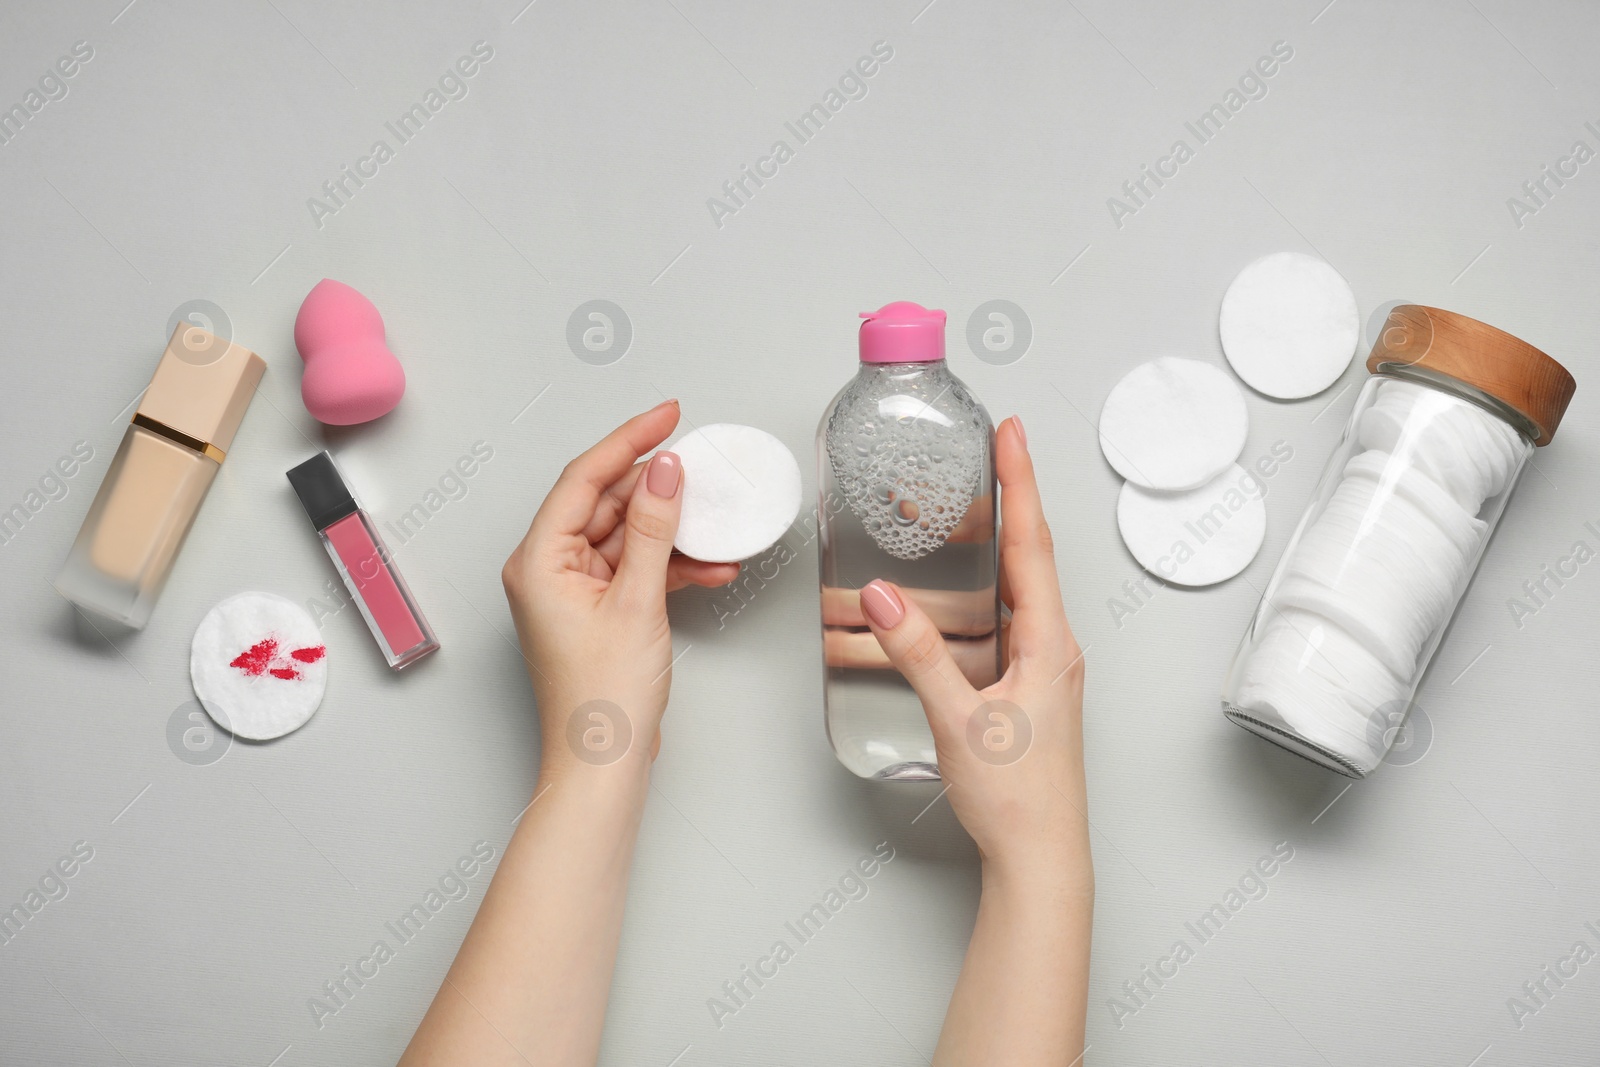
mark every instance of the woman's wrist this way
{"type": "Point", "coordinates": [589, 771]}
{"type": "Point", "coordinates": [596, 802]}
{"type": "Point", "coordinates": [593, 730]}
{"type": "Point", "coordinates": [1054, 868]}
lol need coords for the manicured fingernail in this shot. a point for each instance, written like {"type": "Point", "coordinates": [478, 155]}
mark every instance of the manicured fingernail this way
{"type": "Point", "coordinates": [665, 472]}
{"type": "Point", "coordinates": [1017, 421]}
{"type": "Point", "coordinates": [882, 605]}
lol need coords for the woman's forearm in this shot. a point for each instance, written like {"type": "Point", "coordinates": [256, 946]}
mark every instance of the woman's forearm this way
{"type": "Point", "coordinates": [1023, 988]}
{"type": "Point", "coordinates": [529, 985]}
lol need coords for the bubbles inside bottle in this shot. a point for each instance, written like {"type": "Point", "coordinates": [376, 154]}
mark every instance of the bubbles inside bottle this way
{"type": "Point", "coordinates": [906, 467]}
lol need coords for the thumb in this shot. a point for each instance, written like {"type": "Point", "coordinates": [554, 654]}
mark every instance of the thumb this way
{"type": "Point", "coordinates": [918, 651]}
{"type": "Point", "coordinates": [651, 525]}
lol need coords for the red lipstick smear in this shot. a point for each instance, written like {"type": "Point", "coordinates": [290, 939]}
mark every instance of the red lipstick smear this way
{"type": "Point", "coordinates": [256, 658]}
{"type": "Point", "coordinates": [263, 658]}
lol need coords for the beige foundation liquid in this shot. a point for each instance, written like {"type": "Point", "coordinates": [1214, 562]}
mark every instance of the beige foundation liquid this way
{"type": "Point", "coordinates": [162, 470]}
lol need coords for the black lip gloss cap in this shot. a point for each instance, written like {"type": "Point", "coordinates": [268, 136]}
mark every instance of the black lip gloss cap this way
{"type": "Point", "coordinates": [322, 491]}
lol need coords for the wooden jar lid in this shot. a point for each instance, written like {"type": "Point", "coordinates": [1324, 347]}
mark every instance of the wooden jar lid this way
{"type": "Point", "coordinates": [1492, 361]}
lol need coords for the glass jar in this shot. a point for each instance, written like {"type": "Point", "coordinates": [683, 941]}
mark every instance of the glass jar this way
{"type": "Point", "coordinates": [1331, 662]}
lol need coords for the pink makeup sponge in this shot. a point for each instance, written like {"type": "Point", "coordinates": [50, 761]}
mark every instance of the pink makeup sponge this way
{"type": "Point", "coordinates": [351, 376]}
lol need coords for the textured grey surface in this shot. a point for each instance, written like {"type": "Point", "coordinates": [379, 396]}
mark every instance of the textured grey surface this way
{"type": "Point", "coordinates": [977, 167]}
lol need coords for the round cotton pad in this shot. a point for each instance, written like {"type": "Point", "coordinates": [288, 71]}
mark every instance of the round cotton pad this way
{"type": "Point", "coordinates": [1289, 325]}
{"type": "Point", "coordinates": [1173, 424]}
{"type": "Point", "coordinates": [258, 665]}
{"type": "Point", "coordinates": [741, 491]}
{"type": "Point", "coordinates": [1200, 537]}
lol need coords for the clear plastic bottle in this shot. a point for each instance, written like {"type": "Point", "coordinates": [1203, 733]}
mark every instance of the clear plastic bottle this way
{"type": "Point", "coordinates": [905, 458]}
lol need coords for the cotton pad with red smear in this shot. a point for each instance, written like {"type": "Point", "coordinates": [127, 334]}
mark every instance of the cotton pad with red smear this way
{"type": "Point", "coordinates": [350, 376]}
{"type": "Point", "coordinates": [1289, 325]}
{"type": "Point", "coordinates": [258, 665]}
{"type": "Point", "coordinates": [741, 491]}
{"type": "Point", "coordinates": [1173, 424]}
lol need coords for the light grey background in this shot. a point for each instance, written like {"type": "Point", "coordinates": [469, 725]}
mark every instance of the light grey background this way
{"type": "Point", "coordinates": [220, 898]}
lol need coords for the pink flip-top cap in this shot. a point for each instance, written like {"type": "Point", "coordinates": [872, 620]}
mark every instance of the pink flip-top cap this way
{"type": "Point", "coordinates": [902, 332]}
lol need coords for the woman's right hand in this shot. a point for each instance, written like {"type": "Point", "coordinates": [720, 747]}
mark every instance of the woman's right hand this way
{"type": "Point", "coordinates": [1012, 753]}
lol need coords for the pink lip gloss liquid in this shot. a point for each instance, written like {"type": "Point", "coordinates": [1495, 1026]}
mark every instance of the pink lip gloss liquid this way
{"type": "Point", "coordinates": [363, 561]}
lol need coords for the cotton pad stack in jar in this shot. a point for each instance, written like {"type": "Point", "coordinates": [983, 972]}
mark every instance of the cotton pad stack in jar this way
{"type": "Point", "coordinates": [1377, 572]}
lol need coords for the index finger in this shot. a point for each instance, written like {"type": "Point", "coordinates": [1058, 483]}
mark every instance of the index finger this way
{"type": "Point", "coordinates": [575, 496]}
{"type": "Point", "coordinates": [1026, 551]}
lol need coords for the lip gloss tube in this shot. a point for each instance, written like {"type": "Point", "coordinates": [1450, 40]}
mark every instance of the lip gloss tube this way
{"type": "Point", "coordinates": [363, 561]}
{"type": "Point", "coordinates": [157, 481]}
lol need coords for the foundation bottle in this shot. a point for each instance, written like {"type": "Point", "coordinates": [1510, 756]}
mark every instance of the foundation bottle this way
{"type": "Point", "coordinates": [169, 456]}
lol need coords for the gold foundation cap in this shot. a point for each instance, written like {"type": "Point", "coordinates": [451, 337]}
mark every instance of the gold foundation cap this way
{"type": "Point", "coordinates": [202, 387]}
{"type": "Point", "coordinates": [1495, 363]}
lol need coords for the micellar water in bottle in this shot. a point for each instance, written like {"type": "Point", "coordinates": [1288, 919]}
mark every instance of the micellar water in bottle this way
{"type": "Point", "coordinates": [905, 459]}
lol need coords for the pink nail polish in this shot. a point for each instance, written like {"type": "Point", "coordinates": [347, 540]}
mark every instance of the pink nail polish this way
{"type": "Point", "coordinates": [882, 605]}
{"type": "Point", "coordinates": [666, 470]}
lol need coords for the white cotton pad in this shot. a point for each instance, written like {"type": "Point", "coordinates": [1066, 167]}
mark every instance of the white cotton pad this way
{"type": "Point", "coordinates": [1173, 424]}
{"type": "Point", "coordinates": [1289, 325]}
{"type": "Point", "coordinates": [741, 491]}
{"type": "Point", "coordinates": [258, 665]}
{"type": "Point", "coordinates": [1379, 567]}
{"type": "Point", "coordinates": [1471, 454]}
{"type": "Point", "coordinates": [1322, 683]}
{"type": "Point", "coordinates": [1390, 476]}
{"type": "Point", "coordinates": [1199, 537]}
